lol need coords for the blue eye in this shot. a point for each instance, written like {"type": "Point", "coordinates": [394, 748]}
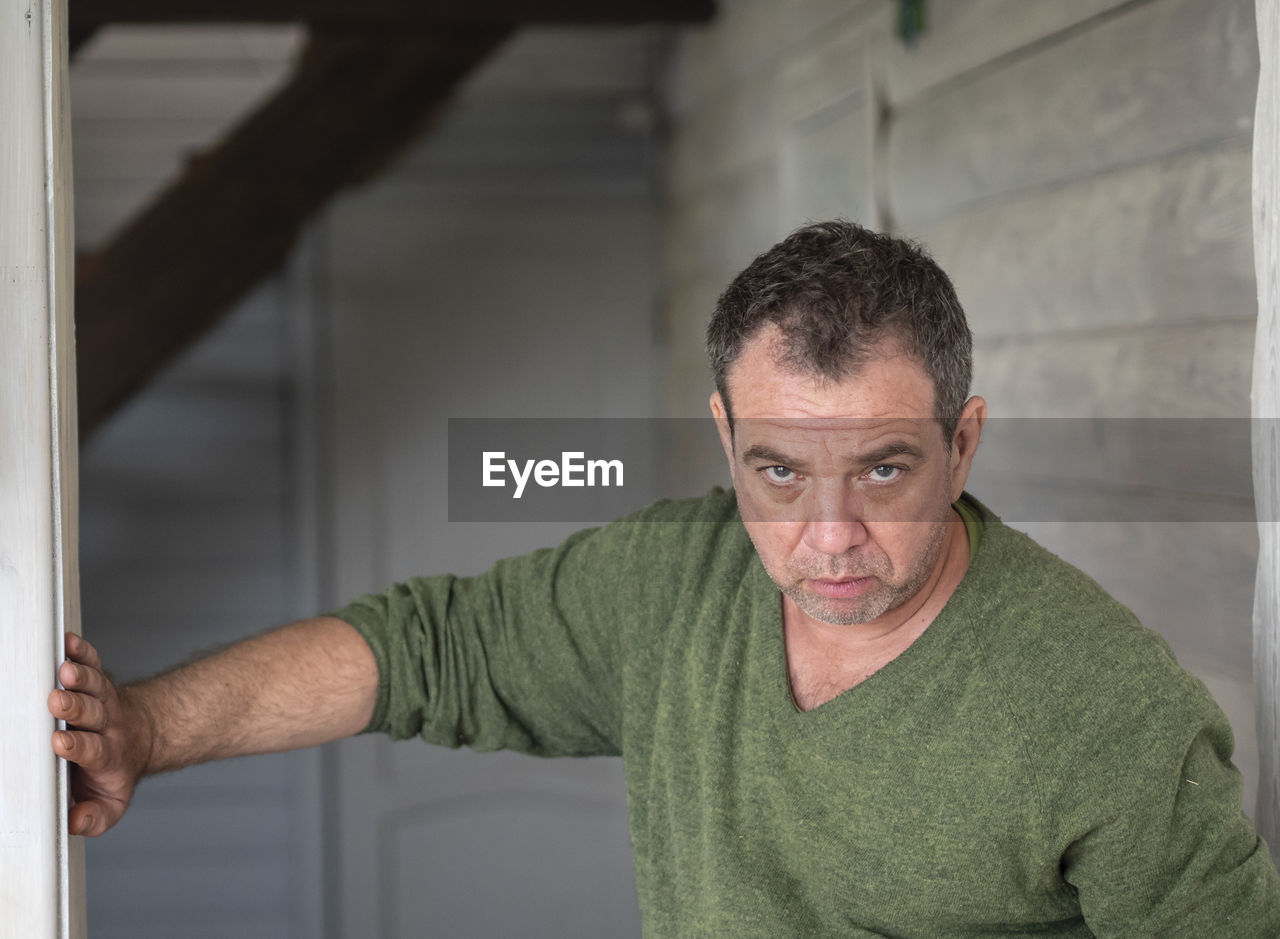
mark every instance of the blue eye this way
{"type": "Point", "coordinates": [885, 473]}
{"type": "Point", "coordinates": [778, 474]}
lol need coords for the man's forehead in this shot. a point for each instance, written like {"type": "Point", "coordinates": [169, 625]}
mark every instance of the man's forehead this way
{"type": "Point", "coordinates": [888, 384]}
{"type": "Point", "coordinates": [764, 437]}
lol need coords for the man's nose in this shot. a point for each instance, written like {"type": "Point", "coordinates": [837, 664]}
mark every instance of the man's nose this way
{"type": "Point", "coordinates": [834, 522]}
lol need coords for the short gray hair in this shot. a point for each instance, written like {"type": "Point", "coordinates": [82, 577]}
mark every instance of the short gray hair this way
{"type": "Point", "coordinates": [837, 290]}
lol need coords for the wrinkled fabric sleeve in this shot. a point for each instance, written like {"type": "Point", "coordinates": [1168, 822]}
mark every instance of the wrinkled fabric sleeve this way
{"type": "Point", "coordinates": [1181, 859]}
{"type": "Point", "coordinates": [523, 657]}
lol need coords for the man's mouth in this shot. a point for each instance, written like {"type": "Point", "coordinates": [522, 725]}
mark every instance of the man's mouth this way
{"type": "Point", "coordinates": [840, 588]}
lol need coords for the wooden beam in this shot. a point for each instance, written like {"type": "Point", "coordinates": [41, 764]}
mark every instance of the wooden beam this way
{"type": "Point", "coordinates": [1266, 422]}
{"type": "Point", "coordinates": [41, 867]}
{"type": "Point", "coordinates": [391, 12]}
{"type": "Point", "coordinates": [79, 34]}
{"type": "Point", "coordinates": [231, 219]}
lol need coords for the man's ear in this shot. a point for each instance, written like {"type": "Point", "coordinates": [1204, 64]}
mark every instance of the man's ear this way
{"type": "Point", "coordinates": [964, 444]}
{"type": "Point", "coordinates": [721, 414]}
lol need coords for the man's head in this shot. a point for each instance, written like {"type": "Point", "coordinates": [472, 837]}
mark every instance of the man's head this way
{"type": "Point", "coordinates": [836, 292]}
{"type": "Point", "coordinates": [847, 445]}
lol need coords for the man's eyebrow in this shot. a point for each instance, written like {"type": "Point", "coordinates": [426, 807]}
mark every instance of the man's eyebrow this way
{"type": "Point", "coordinates": [767, 455]}
{"type": "Point", "coordinates": [888, 451]}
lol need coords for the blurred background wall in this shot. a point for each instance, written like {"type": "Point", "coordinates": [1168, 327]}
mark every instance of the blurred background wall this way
{"type": "Point", "coordinates": [554, 249]}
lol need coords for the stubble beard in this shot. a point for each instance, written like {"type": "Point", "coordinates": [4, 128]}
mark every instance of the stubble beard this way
{"type": "Point", "coordinates": [888, 593]}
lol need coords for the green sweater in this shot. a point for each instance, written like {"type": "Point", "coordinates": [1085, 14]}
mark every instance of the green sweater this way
{"type": "Point", "coordinates": [1036, 763]}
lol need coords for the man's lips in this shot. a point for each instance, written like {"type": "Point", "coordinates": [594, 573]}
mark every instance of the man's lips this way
{"type": "Point", "coordinates": [839, 588]}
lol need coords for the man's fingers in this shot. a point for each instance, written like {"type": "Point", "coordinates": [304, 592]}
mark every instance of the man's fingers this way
{"type": "Point", "coordinates": [80, 710]}
{"type": "Point", "coordinates": [83, 749]}
{"type": "Point", "coordinates": [83, 678]}
{"type": "Point", "coordinates": [78, 650]}
{"type": "Point", "coordinates": [90, 819]}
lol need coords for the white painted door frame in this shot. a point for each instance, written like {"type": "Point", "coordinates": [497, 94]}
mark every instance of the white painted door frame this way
{"type": "Point", "coordinates": [41, 868]}
{"type": "Point", "coordinates": [1266, 420]}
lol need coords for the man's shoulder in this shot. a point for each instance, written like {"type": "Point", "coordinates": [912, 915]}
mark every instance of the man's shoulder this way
{"type": "Point", "coordinates": [1017, 579]}
{"type": "Point", "coordinates": [1060, 642]}
{"type": "Point", "coordinates": [670, 540]}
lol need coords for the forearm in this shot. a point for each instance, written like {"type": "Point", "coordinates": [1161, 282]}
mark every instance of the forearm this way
{"type": "Point", "coordinates": [303, 684]}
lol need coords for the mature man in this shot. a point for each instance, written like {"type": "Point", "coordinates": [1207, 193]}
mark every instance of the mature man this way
{"type": "Point", "coordinates": [850, 700]}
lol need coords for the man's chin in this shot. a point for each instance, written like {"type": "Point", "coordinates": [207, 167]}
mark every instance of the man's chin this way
{"type": "Point", "coordinates": [839, 612]}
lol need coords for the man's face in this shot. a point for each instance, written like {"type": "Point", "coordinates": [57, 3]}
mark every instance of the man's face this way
{"type": "Point", "coordinates": [845, 487]}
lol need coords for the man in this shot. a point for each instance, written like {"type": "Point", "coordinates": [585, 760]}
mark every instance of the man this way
{"type": "Point", "coordinates": [849, 700]}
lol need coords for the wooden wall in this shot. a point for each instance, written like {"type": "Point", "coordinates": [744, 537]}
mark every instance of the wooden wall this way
{"type": "Point", "coordinates": [1082, 171]}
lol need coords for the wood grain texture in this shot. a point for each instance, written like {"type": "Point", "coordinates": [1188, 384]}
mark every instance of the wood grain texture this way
{"type": "Point", "coordinates": [41, 868]}
{"type": "Point", "coordinates": [1164, 76]}
{"type": "Point", "coordinates": [1169, 241]}
{"type": "Point", "coordinates": [1266, 420]}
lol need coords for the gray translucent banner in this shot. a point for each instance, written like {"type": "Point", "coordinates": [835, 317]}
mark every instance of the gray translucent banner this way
{"type": "Point", "coordinates": [1026, 469]}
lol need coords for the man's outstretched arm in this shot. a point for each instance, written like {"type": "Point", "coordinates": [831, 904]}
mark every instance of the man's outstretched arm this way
{"type": "Point", "coordinates": [303, 684]}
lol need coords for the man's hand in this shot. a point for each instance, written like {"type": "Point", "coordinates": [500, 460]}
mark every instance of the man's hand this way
{"type": "Point", "coordinates": [297, 686]}
{"type": "Point", "coordinates": [108, 740]}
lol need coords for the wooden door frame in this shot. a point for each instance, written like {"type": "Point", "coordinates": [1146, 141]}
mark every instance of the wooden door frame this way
{"type": "Point", "coordinates": [1266, 421]}
{"type": "Point", "coordinates": [41, 867]}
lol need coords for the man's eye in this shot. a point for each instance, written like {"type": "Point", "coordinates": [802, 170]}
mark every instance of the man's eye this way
{"type": "Point", "coordinates": [778, 474]}
{"type": "Point", "coordinates": [884, 473]}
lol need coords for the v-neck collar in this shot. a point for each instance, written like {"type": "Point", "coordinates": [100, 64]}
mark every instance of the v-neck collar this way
{"type": "Point", "coordinates": [912, 665]}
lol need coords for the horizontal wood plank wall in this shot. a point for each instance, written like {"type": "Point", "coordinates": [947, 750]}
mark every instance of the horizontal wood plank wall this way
{"type": "Point", "coordinates": [1083, 172]}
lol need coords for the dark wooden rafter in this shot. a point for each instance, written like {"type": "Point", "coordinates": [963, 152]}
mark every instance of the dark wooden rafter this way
{"type": "Point", "coordinates": [80, 33]}
{"type": "Point", "coordinates": [354, 102]}
{"type": "Point", "coordinates": [367, 13]}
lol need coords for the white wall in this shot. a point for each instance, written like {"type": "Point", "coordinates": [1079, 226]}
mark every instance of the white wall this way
{"type": "Point", "coordinates": [1082, 170]}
